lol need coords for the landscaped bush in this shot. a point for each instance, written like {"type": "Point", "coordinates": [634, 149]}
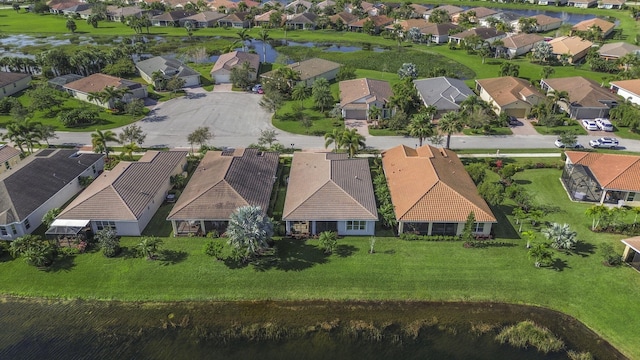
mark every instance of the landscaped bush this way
{"type": "Point", "coordinates": [109, 242]}
{"type": "Point", "coordinates": [214, 248]}
{"type": "Point", "coordinates": [418, 237]}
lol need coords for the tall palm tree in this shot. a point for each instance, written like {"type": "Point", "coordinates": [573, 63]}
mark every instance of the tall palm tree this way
{"type": "Point", "coordinates": [420, 127]}
{"type": "Point", "coordinates": [244, 36]}
{"type": "Point", "coordinates": [449, 124]}
{"type": "Point", "coordinates": [129, 149]}
{"type": "Point", "coordinates": [596, 212]}
{"type": "Point", "coordinates": [100, 140]}
{"type": "Point", "coordinates": [300, 92]}
{"type": "Point", "coordinates": [334, 137]}
{"type": "Point", "coordinates": [374, 113]}
{"type": "Point", "coordinates": [353, 141]}
{"type": "Point", "coordinates": [263, 36]}
{"type": "Point", "coordinates": [558, 96]}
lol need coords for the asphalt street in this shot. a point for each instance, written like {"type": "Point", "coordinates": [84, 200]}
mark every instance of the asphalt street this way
{"type": "Point", "coordinates": [237, 119]}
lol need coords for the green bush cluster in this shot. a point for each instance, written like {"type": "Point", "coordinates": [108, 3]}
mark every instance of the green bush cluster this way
{"type": "Point", "coordinates": [417, 237]}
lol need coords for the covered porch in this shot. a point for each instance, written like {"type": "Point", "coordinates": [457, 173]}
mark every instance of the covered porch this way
{"type": "Point", "coordinates": [631, 254]}
{"type": "Point", "coordinates": [68, 232]}
{"type": "Point", "coordinates": [581, 185]}
{"type": "Point", "coordinates": [198, 227]}
{"type": "Point", "coordinates": [303, 229]}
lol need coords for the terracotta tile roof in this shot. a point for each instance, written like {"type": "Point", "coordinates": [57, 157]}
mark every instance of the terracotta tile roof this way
{"type": "Point", "coordinates": [448, 8]}
{"type": "Point", "coordinates": [571, 45]}
{"type": "Point", "coordinates": [329, 187]}
{"type": "Point", "coordinates": [542, 19]}
{"type": "Point", "coordinates": [582, 91]}
{"type": "Point", "coordinates": [419, 9]}
{"type": "Point", "coordinates": [64, 5]}
{"type": "Point", "coordinates": [378, 21]}
{"type": "Point", "coordinates": [231, 4]}
{"type": "Point", "coordinates": [431, 185]}
{"type": "Point", "coordinates": [612, 171]}
{"type": "Point", "coordinates": [7, 153]}
{"type": "Point", "coordinates": [222, 183]}
{"type": "Point", "coordinates": [483, 33]}
{"type": "Point", "coordinates": [8, 78]}
{"type": "Point", "coordinates": [236, 58]}
{"type": "Point", "coordinates": [632, 86]}
{"type": "Point", "coordinates": [125, 192]}
{"type": "Point", "coordinates": [366, 90]}
{"type": "Point", "coordinates": [604, 25]}
{"type": "Point", "coordinates": [633, 243]}
{"type": "Point", "coordinates": [520, 40]}
{"type": "Point", "coordinates": [618, 49]}
{"type": "Point", "coordinates": [267, 16]}
{"type": "Point", "coordinates": [508, 89]}
{"type": "Point", "coordinates": [97, 82]}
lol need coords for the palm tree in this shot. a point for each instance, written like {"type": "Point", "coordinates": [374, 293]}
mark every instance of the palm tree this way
{"type": "Point", "coordinates": [541, 254]}
{"type": "Point", "coordinates": [249, 231]}
{"type": "Point", "coordinates": [449, 124]}
{"type": "Point", "coordinates": [242, 34]}
{"type": "Point", "coordinates": [596, 212]}
{"type": "Point", "coordinates": [263, 36]}
{"type": "Point", "coordinates": [149, 246]}
{"type": "Point", "coordinates": [558, 96]}
{"type": "Point", "coordinates": [129, 149]}
{"type": "Point", "coordinates": [561, 236]}
{"type": "Point", "coordinates": [353, 141]}
{"type": "Point", "coordinates": [71, 26]}
{"type": "Point", "coordinates": [334, 137]}
{"type": "Point", "coordinates": [420, 127]}
{"type": "Point", "coordinates": [231, 47]}
{"type": "Point", "coordinates": [300, 92]}
{"type": "Point", "coordinates": [100, 140]}
{"type": "Point", "coordinates": [374, 113]}
{"type": "Point", "coordinates": [322, 93]}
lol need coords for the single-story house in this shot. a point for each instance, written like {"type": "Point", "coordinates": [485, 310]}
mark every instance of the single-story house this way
{"type": "Point", "coordinates": [329, 192]}
{"type": "Point", "coordinates": [81, 89]}
{"type": "Point", "coordinates": [11, 83]}
{"type": "Point", "coordinates": [264, 20]}
{"type": "Point", "coordinates": [611, 4]}
{"type": "Point", "coordinates": [60, 7]}
{"type": "Point", "coordinates": [450, 9]}
{"type": "Point", "coordinates": [169, 68]}
{"type": "Point", "coordinates": [238, 20]}
{"type": "Point", "coordinates": [303, 21]}
{"type": "Point", "coordinates": [325, 4]}
{"type": "Point", "coordinates": [223, 182]}
{"type": "Point", "coordinates": [614, 51]}
{"type": "Point", "coordinates": [553, 2]}
{"type": "Point", "coordinates": [508, 17]}
{"type": "Point", "coordinates": [171, 18]}
{"type": "Point", "coordinates": [520, 44]}
{"type": "Point", "coordinates": [438, 33]}
{"type": "Point", "coordinates": [487, 34]}
{"type": "Point", "coordinates": [432, 193]}
{"type": "Point", "coordinates": [629, 90]}
{"type": "Point", "coordinates": [59, 82]}
{"type": "Point", "coordinates": [126, 197]}
{"type": "Point", "coordinates": [444, 93]}
{"type": "Point", "coordinates": [583, 4]}
{"type": "Point", "coordinates": [221, 71]}
{"type": "Point", "coordinates": [481, 13]}
{"type": "Point", "coordinates": [9, 157]}
{"type": "Point", "coordinates": [345, 17]}
{"type": "Point", "coordinates": [312, 69]}
{"type": "Point", "coordinates": [299, 6]}
{"type": "Point", "coordinates": [606, 26]}
{"type": "Point", "coordinates": [116, 13]}
{"type": "Point", "coordinates": [546, 23]}
{"type": "Point", "coordinates": [357, 96]}
{"type": "Point", "coordinates": [631, 254]}
{"type": "Point", "coordinates": [219, 5]}
{"type": "Point", "coordinates": [588, 100]}
{"type": "Point", "coordinates": [513, 96]}
{"type": "Point", "coordinates": [205, 19]}
{"type": "Point", "coordinates": [419, 10]}
{"type": "Point", "coordinates": [379, 22]}
{"type": "Point", "coordinates": [572, 46]}
{"type": "Point", "coordinates": [602, 178]}
{"type": "Point", "coordinates": [41, 182]}
{"type": "Point", "coordinates": [408, 24]}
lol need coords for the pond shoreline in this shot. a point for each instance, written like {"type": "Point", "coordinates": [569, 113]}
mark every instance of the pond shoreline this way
{"type": "Point", "coordinates": [224, 323]}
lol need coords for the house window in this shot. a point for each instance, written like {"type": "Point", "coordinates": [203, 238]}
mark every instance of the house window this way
{"type": "Point", "coordinates": [444, 229]}
{"type": "Point", "coordinates": [14, 230]}
{"type": "Point", "coordinates": [26, 223]}
{"type": "Point", "coordinates": [93, 167]}
{"type": "Point", "coordinates": [6, 165]}
{"type": "Point", "coordinates": [478, 227]}
{"type": "Point", "coordinates": [631, 196]}
{"type": "Point", "coordinates": [3, 231]}
{"type": "Point", "coordinates": [100, 225]}
{"type": "Point", "coordinates": [356, 225]}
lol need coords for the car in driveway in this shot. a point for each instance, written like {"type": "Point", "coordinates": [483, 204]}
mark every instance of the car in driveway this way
{"type": "Point", "coordinates": [604, 124]}
{"type": "Point", "coordinates": [561, 145]}
{"type": "Point", "coordinates": [257, 88]}
{"type": "Point", "coordinates": [590, 124]}
{"type": "Point", "coordinates": [604, 142]}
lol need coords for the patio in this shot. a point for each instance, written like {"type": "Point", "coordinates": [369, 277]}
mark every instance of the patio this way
{"type": "Point", "coordinates": [581, 185]}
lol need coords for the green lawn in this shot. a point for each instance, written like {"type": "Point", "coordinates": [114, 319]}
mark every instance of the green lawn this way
{"type": "Point", "coordinates": [572, 125]}
{"type": "Point", "coordinates": [605, 299]}
{"type": "Point", "coordinates": [286, 119]}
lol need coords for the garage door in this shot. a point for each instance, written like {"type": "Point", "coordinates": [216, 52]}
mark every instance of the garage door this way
{"type": "Point", "coordinates": [222, 79]}
{"type": "Point", "coordinates": [356, 114]}
{"type": "Point", "coordinates": [519, 113]}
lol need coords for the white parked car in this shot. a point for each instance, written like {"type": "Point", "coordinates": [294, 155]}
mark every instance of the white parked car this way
{"type": "Point", "coordinates": [590, 124]}
{"type": "Point", "coordinates": [604, 142]}
{"type": "Point", "coordinates": [561, 145]}
{"type": "Point", "coordinates": [604, 124]}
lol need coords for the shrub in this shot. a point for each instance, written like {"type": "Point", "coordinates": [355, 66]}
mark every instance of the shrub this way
{"type": "Point", "coordinates": [214, 249]}
{"type": "Point", "coordinates": [109, 242]}
{"type": "Point", "coordinates": [527, 333]}
{"type": "Point", "coordinates": [609, 255]}
{"type": "Point", "coordinates": [328, 241]}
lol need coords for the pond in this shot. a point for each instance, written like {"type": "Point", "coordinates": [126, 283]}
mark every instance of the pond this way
{"type": "Point", "coordinates": [77, 329]}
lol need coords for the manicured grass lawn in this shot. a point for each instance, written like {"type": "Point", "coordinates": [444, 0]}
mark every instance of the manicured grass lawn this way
{"type": "Point", "coordinates": [493, 131]}
{"type": "Point", "coordinates": [286, 119]}
{"type": "Point", "coordinates": [205, 74]}
{"type": "Point", "coordinates": [571, 126]}
{"type": "Point", "coordinates": [603, 298]}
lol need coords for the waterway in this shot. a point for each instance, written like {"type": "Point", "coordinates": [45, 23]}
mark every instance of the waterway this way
{"type": "Point", "coordinates": [46, 329]}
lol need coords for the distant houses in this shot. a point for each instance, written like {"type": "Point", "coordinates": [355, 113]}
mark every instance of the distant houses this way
{"type": "Point", "coordinates": [586, 100]}
{"type": "Point", "coordinates": [221, 71]}
{"type": "Point", "coordinates": [167, 68]}
{"type": "Point", "coordinates": [11, 83]}
{"type": "Point", "coordinates": [311, 69]}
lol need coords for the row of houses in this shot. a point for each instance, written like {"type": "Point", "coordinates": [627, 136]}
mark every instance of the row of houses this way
{"type": "Point", "coordinates": [430, 190]}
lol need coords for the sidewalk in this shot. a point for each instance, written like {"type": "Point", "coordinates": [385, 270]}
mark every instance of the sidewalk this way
{"type": "Point", "coordinates": [507, 155]}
